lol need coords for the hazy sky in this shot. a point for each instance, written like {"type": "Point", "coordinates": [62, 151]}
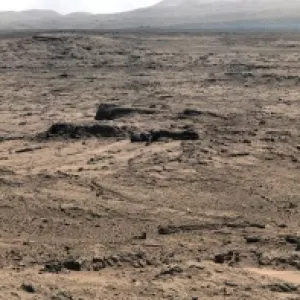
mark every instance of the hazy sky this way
{"type": "Point", "coordinates": [65, 6]}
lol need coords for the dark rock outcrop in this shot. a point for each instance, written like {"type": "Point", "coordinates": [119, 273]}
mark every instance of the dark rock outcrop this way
{"type": "Point", "coordinates": [136, 260]}
{"type": "Point", "coordinates": [73, 131]}
{"type": "Point", "coordinates": [154, 136]}
{"type": "Point", "coordinates": [283, 287]}
{"type": "Point", "coordinates": [113, 111]}
{"type": "Point", "coordinates": [73, 265]}
{"type": "Point", "coordinates": [172, 229]}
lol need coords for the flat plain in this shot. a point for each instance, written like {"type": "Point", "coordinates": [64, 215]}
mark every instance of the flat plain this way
{"type": "Point", "coordinates": [85, 213]}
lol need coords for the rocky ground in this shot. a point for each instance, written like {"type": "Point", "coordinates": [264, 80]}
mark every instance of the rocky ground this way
{"type": "Point", "coordinates": [187, 185]}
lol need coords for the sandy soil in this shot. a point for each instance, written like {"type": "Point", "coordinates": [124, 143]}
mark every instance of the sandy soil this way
{"type": "Point", "coordinates": [85, 216]}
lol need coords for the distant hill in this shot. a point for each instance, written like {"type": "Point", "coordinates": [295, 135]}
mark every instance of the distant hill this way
{"type": "Point", "coordinates": [169, 14]}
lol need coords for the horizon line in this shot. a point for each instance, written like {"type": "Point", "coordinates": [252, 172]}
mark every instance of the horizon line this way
{"type": "Point", "coordinates": [76, 12]}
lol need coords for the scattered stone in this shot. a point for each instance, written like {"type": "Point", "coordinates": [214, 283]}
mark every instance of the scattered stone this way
{"type": "Point", "coordinates": [29, 288]}
{"type": "Point", "coordinates": [246, 225]}
{"type": "Point", "coordinates": [98, 264]}
{"type": "Point", "coordinates": [220, 259]}
{"type": "Point", "coordinates": [292, 239]}
{"type": "Point", "coordinates": [62, 295]}
{"type": "Point", "coordinates": [231, 257]}
{"type": "Point", "coordinates": [53, 267]}
{"type": "Point", "coordinates": [64, 75]}
{"type": "Point", "coordinates": [172, 229]}
{"type": "Point", "coordinates": [75, 131]}
{"type": "Point", "coordinates": [153, 136]}
{"type": "Point", "coordinates": [177, 135]}
{"type": "Point", "coordinates": [59, 266]}
{"type": "Point", "coordinates": [73, 265]}
{"type": "Point", "coordinates": [196, 265]}
{"type": "Point", "coordinates": [231, 284]}
{"type": "Point", "coordinates": [283, 288]}
{"type": "Point", "coordinates": [252, 239]}
{"type": "Point", "coordinates": [257, 225]}
{"type": "Point", "coordinates": [12, 138]}
{"type": "Point", "coordinates": [141, 137]}
{"type": "Point", "coordinates": [282, 226]}
{"type": "Point", "coordinates": [194, 112]}
{"type": "Point", "coordinates": [289, 259]}
{"type": "Point", "coordinates": [246, 141]}
{"type": "Point", "coordinates": [142, 236]}
{"type": "Point", "coordinates": [24, 150]}
{"type": "Point", "coordinates": [136, 260]}
{"type": "Point", "coordinates": [175, 270]}
{"type": "Point", "coordinates": [239, 154]}
{"type": "Point", "coordinates": [165, 230]}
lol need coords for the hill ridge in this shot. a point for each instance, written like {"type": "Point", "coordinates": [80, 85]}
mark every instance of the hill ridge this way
{"type": "Point", "coordinates": [165, 14]}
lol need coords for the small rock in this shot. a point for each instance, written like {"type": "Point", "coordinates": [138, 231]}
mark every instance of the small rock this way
{"type": "Point", "coordinates": [98, 264]}
{"type": "Point", "coordinates": [136, 264]}
{"type": "Point", "coordinates": [294, 159]}
{"type": "Point", "coordinates": [283, 288]}
{"type": "Point", "coordinates": [142, 236]}
{"type": "Point", "coordinates": [73, 265]}
{"type": "Point", "coordinates": [165, 230]}
{"type": "Point", "coordinates": [109, 262]}
{"type": "Point", "coordinates": [220, 259]}
{"type": "Point", "coordinates": [63, 75]}
{"type": "Point", "coordinates": [292, 239]}
{"type": "Point", "coordinates": [230, 256]}
{"type": "Point", "coordinates": [62, 296]}
{"type": "Point", "coordinates": [282, 226]}
{"type": "Point", "coordinates": [231, 284]}
{"type": "Point", "coordinates": [29, 288]}
{"type": "Point", "coordinates": [246, 141]}
{"type": "Point", "coordinates": [115, 258]}
{"type": "Point", "coordinates": [196, 265]}
{"type": "Point", "coordinates": [172, 271]}
{"type": "Point", "coordinates": [21, 264]}
{"type": "Point", "coordinates": [257, 225]}
{"type": "Point", "coordinates": [252, 239]}
{"type": "Point", "coordinates": [67, 248]}
{"type": "Point", "coordinates": [53, 267]}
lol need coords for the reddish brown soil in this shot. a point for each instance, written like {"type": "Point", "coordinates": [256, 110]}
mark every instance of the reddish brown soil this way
{"type": "Point", "coordinates": [104, 218]}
